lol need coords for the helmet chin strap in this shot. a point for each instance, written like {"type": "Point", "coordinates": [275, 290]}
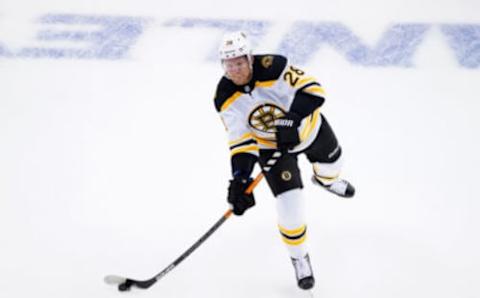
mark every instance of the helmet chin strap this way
{"type": "Point", "coordinates": [250, 61]}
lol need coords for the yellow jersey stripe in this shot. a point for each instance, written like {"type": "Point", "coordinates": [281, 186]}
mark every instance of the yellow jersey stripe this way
{"type": "Point", "coordinates": [315, 89]}
{"type": "Point", "coordinates": [265, 83]}
{"type": "Point", "coordinates": [230, 100]}
{"type": "Point", "coordinates": [304, 132]}
{"type": "Point", "coordinates": [266, 143]}
{"type": "Point", "coordinates": [245, 136]}
{"type": "Point", "coordinates": [310, 125]}
{"type": "Point", "coordinates": [244, 149]}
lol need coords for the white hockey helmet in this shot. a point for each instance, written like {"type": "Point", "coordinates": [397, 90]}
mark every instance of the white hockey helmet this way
{"type": "Point", "coordinates": [235, 44]}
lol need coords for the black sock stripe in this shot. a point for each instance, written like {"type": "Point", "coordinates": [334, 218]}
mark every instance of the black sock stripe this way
{"type": "Point", "coordinates": [294, 237]}
{"type": "Point", "coordinates": [308, 85]}
{"type": "Point", "coordinates": [247, 142]}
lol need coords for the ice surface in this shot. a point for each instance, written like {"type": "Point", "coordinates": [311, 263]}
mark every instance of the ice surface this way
{"type": "Point", "coordinates": [116, 166]}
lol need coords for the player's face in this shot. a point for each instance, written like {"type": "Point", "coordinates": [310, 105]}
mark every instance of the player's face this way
{"type": "Point", "coordinates": [238, 70]}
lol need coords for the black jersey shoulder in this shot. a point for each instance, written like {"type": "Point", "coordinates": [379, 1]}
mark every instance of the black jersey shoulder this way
{"type": "Point", "coordinates": [225, 89]}
{"type": "Point", "coordinates": [268, 67]}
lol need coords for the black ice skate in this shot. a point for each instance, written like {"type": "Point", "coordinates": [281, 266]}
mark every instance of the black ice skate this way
{"type": "Point", "coordinates": [340, 187]}
{"type": "Point", "coordinates": [303, 272]}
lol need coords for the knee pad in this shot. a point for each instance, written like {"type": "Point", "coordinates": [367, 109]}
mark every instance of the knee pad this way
{"type": "Point", "coordinates": [284, 175]}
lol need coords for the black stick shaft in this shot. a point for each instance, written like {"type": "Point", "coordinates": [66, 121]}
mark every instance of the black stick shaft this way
{"type": "Point", "coordinates": [144, 284]}
{"type": "Point", "coordinates": [194, 246]}
{"type": "Point", "coordinates": [272, 161]}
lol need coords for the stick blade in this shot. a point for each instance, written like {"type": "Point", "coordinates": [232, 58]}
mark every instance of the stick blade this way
{"type": "Point", "coordinates": [114, 280]}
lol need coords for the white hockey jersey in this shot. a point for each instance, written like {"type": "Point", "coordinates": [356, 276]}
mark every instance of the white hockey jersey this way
{"type": "Point", "coordinates": [248, 112]}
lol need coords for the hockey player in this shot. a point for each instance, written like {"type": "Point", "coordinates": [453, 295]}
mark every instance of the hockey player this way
{"type": "Point", "coordinates": [268, 105]}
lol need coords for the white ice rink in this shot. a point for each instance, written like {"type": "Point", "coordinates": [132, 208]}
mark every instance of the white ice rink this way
{"type": "Point", "coordinates": [119, 165]}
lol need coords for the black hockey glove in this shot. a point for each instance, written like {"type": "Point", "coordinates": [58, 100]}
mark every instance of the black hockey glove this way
{"type": "Point", "coordinates": [287, 131]}
{"type": "Point", "coordinates": [237, 197]}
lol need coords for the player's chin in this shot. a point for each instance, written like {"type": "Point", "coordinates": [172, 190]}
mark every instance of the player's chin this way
{"type": "Point", "coordinates": [239, 80]}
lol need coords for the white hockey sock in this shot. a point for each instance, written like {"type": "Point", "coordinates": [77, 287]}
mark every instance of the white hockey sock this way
{"type": "Point", "coordinates": [328, 173]}
{"type": "Point", "coordinates": [291, 222]}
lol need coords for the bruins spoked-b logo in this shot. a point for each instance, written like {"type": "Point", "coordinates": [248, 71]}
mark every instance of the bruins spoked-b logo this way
{"type": "Point", "coordinates": [286, 176]}
{"type": "Point", "coordinates": [267, 61]}
{"type": "Point", "coordinates": [263, 117]}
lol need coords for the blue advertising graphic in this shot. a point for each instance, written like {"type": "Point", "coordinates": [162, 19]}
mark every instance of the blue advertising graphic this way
{"type": "Point", "coordinates": [112, 37]}
{"type": "Point", "coordinates": [112, 40]}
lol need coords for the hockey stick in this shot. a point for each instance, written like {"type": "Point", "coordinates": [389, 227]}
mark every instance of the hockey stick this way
{"type": "Point", "coordinates": [124, 284]}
